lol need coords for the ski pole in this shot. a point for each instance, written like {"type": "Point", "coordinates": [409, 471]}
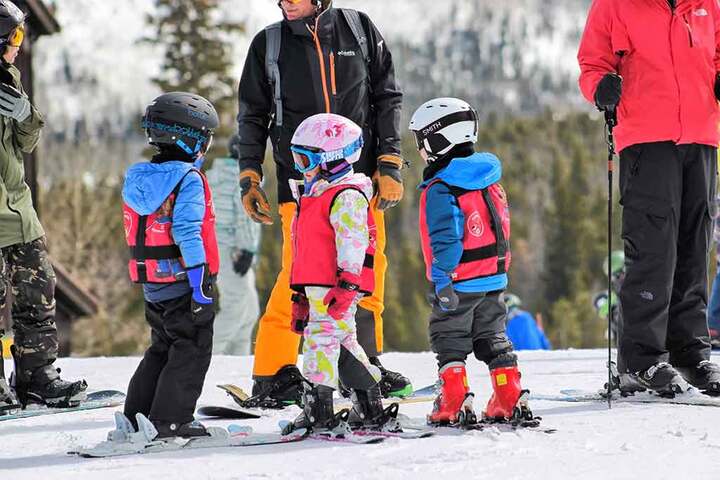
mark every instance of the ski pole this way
{"type": "Point", "coordinates": [610, 123]}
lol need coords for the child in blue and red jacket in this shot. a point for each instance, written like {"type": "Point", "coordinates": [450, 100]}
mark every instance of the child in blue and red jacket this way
{"type": "Point", "coordinates": [170, 228]}
{"type": "Point", "coordinates": [465, 230]}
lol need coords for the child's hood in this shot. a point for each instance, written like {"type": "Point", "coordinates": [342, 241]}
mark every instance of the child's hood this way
{"type": "Point", "coordinates": [147, 185]}
{"type": "Point", "coordinates": [478, 171]}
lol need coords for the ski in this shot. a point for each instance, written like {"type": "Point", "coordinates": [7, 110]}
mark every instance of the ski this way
{"type": "Point", "coordinates": [94, 400]}
{"type": "Point", "coordinates": [411, 434]}
{"type": "Point", "coordinates": [691, 397]}
{"type": "Point", "coordinates": [125, 441]}
{"type": "Point", "coordinates": [342, 434]}
{"type": "Point", "coordinates": [230, 413]}
{"type": "Point", "coordinates": [408, 423]}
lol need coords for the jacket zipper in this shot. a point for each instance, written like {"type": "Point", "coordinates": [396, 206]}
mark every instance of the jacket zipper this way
{"type": "Point", "coordinates": [16, 212]}
{"type": "Point", "coordinates": [672, 59]}
{"type": "Point", "coordinates": [332, 73]}
{"type": "Point", "coordinates": [689, 29]}
{"type": "Point", "coordinates": [323, 74]}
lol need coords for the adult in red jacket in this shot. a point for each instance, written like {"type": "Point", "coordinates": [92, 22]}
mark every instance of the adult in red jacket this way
{"type": "Point", "coordinates": [656, 63]}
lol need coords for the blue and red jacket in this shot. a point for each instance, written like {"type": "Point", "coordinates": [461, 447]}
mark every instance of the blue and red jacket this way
{"type": "Point", "coordinates": [462, 210]}
{"type": "Point", "coordinates": [174, 201]}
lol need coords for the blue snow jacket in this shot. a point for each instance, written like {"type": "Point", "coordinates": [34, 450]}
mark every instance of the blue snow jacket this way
{"type": "Point", "coordinates": [524, 333]}
{"type": "Point", "coordinates": [146, 187]}
{"type": "Point", "coordinates": [446, 221]}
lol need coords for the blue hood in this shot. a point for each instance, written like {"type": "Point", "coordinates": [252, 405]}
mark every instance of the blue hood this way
{"type": "Point", "coordinates": [475, 172]}
{"type": "Point", "coordinates": [147, 185]}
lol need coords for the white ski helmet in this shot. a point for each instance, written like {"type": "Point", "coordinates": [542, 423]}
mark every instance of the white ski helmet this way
{"type": "Point", "coordinates": [441, 124]}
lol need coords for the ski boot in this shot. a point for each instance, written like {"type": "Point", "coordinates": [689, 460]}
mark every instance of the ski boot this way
{"type": "Point", "coordinates": [45, 387]}
{"type": "Point", "coordinates": [662, 379]}
{"type": "Point", "coordinates": [625, 383]}
{"type": "Point", "coordinates": [283, 389]}
{"type": "Point", "coordinates": [369, 413]}
{"type": "Point", "coordinates": [8, 400]}
{"type": "Point", "coordinates": [392, 384]}
{"type": "Point", "coordinates": [183, 430]}
{"type": "Point", "coordinates": [318, 413]}
{"type": "Point", "coordinates": [454, 403]}
{"type": "Point", "coordinates": [705, 376]}
{"type": "Point", "coordinates": [508, 403]}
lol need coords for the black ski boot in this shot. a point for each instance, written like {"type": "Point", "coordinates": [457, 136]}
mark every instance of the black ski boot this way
{"type": "Point", "coordinates": [283, 389]}
{"type": "Point", "coordinates": [369, 413]}
{"type": "Point", "coordinates": [705, 376]}
{"type": "Point", "coordinates": [184, 430]}
{"type": "Point", "coordinates": [318, 413]}
{"type": "Point", "coordinates": [662, 379]}
{"type": "Point", "coordinates": [626, 383]}
{"type": "Point", "coordinates": [8, 400]}
{"type": "Point", "coordinates": [45, 387]}
{"type": "Point", "coordinates": [392, 384]}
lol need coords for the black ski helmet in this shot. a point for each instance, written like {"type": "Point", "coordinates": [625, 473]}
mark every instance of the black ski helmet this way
{"type": "Point", "coordinates": [181, 119]}
{"type": "Point", "coordinates": [11, 17]}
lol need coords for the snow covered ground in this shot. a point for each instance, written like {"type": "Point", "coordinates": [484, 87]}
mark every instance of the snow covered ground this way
{"type": "Point", "coordinates": [631, 440]}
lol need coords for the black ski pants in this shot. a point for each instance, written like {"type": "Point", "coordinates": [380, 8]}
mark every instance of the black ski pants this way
{"type": "Point", "coordinates": [667, 192]}
{"type": "Point", "coordinates": [170, 377]}
{"type": "Point", "coordinates": [476, 326]}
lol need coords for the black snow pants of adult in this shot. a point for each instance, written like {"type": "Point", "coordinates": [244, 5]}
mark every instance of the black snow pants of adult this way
{"type": "Point", "coordinates": [476, 326]}
{"type": "Point", "coordinates": [170, 377]}
{"type": "Point", "coordinates": [667, 192]}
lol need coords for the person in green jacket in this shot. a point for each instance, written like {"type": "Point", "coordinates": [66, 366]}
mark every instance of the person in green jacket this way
{"type": "Point", "coordinates": [25, 269]}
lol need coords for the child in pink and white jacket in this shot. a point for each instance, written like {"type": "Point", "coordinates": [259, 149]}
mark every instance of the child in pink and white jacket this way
{"type": "Point", "coordinates": [333, 249]}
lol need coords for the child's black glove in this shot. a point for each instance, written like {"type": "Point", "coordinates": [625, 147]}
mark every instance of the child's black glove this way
{"type": "Point", "coordinates": [203, 299]}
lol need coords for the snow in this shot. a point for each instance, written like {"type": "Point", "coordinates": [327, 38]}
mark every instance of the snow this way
{"type": "Point", "coordinates": [657, 441]}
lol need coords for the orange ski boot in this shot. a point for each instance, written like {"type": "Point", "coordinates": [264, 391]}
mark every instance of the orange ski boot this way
{"type": "Point", "coordinates": [453, 404]}
{"type": "Point", "coordinates": [508, 402]}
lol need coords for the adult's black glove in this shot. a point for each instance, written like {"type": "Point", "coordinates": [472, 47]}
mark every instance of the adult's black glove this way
{"type": "Point", "coordinates": [608, 92]}
{"type": "Point", "coordinates": [242, 261]}
{"type": "Point", "coordinates": [717, 87]}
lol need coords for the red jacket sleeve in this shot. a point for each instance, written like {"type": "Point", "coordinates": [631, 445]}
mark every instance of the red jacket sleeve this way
{"type": "Point", "coordinates": [595, 55]}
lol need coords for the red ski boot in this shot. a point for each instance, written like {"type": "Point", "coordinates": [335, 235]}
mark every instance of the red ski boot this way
{"type": "Point", "coordinates": [453, 404]}
{"type": "Point", "coordinates": [508, 402]}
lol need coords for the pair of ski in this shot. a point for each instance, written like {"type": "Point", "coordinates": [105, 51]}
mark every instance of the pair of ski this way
{"type": "Point", "coordinates": [124, 440]}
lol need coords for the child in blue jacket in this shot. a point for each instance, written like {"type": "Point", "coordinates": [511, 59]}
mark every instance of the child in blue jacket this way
{"type": "Point", "coordinates": [465, 229]}
{"type": "Point", "coordinates": [170, 228]}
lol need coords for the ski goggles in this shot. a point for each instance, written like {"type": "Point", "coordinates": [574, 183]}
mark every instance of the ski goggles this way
{"type": "Point", "coordinates": [430, 140]}
{"type": "Point", "coordinates": [307, 158]}
{"type": "Point", "coordinates": [16, 37]}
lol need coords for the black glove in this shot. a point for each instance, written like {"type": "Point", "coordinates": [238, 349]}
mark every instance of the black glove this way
{"type": "Point", "coordinates": [446, 297]}
{"type": "Point", "coordinates": [242, 261]}
{"type": "Point", "coordinates": [717, 87]}
{"type": "Point", "coordinates": [203, 295]}
{"type": "Point", "coordinates": [608, 92]}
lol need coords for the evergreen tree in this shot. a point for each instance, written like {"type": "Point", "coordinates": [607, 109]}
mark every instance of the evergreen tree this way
{"type": "Point", "coordinates": [198, 53]}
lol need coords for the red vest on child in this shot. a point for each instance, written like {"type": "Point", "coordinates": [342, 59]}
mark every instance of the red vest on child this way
{"type": "Point", "coordinates": [153, 252]}
{"type": "Point", "coordinates": [486, 233]}
{"type": "Point", "coordinates": [314, 251]}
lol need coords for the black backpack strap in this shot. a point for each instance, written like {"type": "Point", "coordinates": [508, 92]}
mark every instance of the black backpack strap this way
{"type": "Point", "coordinates": [501, 242]}
{"type": "Point", "coordinates": [273, 41]}
{"type": "Point", "coordinates": [352, 17]}
{"type": "Point", "coordinates": [141, 252]}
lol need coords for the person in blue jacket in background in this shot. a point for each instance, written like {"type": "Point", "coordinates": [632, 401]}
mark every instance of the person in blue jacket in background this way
{"type": "Point", "coordinates": [522, 328]}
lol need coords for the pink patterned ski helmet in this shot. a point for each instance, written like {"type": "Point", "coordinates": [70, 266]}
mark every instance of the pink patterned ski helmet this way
{"type": "Point", "coordinates": [324, 140]}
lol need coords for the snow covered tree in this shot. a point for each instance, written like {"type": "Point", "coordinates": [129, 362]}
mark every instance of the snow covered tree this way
{"type": "Point", "coordinates": [197, 43]}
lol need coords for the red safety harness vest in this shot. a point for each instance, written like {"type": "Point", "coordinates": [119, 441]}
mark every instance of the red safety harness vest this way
{"type": "Point", "coordinates": [314, 251]}
{"type": "Point", "coordinates": [154, 255]}
{"type": "Point", "coordinates": [486, 235]}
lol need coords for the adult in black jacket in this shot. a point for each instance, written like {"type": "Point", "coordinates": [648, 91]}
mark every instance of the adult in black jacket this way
{"type": "Point", "coordinates": [322, 69]}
